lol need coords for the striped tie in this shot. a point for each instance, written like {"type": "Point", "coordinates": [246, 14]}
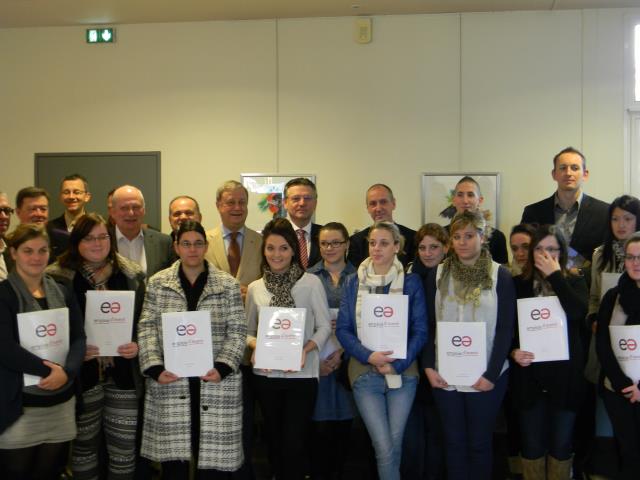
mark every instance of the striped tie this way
{"type": "Point", "coordinates": [302, 243]}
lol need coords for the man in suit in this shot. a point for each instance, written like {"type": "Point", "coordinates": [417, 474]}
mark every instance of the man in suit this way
{"type": "Point", "coordinates": [380, 204]}
{"type": "Point", "coordinates": [233, 247]}
{"type": "Point", "coordinates": [180, 209]}
{"type": "Point", "coordinates": [148, 248]}
{"type": "Point", "coordinates": [300, 201]}
{"type": "Point", "coordinates": [467, 196]}
{"type": "Point", "coordinates": [6, 262]}
{"type": "Point", "coordinates": [74, 195]}
{"type": "Point", "coordinates": [32, 206]}
{"type": "Point", "coordinates": [581, 219]}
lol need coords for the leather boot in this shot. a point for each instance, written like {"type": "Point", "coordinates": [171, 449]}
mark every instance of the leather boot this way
{"type": "Point", "coordinates": [533, 469]}
{"type": "Point", "coordinates": [558, 469]}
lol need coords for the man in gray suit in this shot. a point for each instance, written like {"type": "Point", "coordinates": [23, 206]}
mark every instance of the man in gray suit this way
{"type": "Point", "coordinates": [150, 249]}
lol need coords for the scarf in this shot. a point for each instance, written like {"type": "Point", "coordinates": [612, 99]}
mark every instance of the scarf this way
{"type": "Point", "coordinates": [629, 298]}
{"type": "Point", "coordinates": [419, 268]}
{"type": "Point", "coordinates": [97, 275]}
{"type": "Point", "coordinates": [541, 287]}
{"type": "Point", "coordinates": [618, 255]}
{"type": "Point", "coordinates": [26, 302]}
{"type": "Point", "coordinates": [468, 280]}
{"type": "Point", "coordinates": [280, 284]}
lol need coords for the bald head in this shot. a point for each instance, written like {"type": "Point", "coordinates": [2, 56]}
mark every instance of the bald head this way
{"type": "Point", "coordinates": [127, 210]}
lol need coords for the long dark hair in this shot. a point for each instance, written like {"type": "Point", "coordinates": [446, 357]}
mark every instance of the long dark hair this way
{"type": "Point", "coordinates": [628, 204]}
{"type": "Point", "coordinates": [282, 227]}
{"type": "Point", "coordinates": [72, 259]}
{"type": "Point", "coordinates": [540, 233]}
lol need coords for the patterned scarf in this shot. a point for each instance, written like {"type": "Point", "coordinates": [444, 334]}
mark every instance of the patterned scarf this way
{"type": "Point", "coordinates": [280, 285]}
{"type": "Point", "coordinates": [97, 275]}
{"type": "Point", "coordinates": [618, 255]}
{"type": "Point", "coordinates": [541, 287]}
{"type": "Point", "coordinates": [468, 280]}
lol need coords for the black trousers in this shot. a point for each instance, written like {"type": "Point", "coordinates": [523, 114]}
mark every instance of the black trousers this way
{"type": "Point", "coordinates": [625, 419]}
{"type": "Point", "coordinates": [287, 405]}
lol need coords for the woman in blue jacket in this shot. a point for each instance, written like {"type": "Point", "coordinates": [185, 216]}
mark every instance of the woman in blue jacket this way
{"type": "Point", "coordinates": [383, 387]}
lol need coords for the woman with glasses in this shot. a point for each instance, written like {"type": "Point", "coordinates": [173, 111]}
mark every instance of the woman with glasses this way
{"type": "Point", "coordinates": [333, 413]}
{"type": "Point", "coordinates": [195, 419]}
{"type": "Point", "coordinates": [287, 398]}
{"type": "Point", "coordinates": [111, 386]}
{"type": "Point", "coordinates": [548, 394]}
{"type": "Point", "coordinates": [37, 422]}
{"type": "Point", "coordinates": [383, 387]}
{"type": "Point", "coordinates": [621, 307]}
{"type": "Point", "coordinates": [470, 287]}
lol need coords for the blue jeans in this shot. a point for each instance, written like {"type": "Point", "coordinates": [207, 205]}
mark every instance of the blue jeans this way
{"type": "Point", "coordinates": [468, 421]}
{"type": "Point", "coordinates": [384, 412]}
{"type": "Point", "coordinates": [546, 429]}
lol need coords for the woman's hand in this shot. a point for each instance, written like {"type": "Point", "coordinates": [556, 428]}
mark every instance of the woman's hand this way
{"type": "Point", "coordinates": [167, 377]}
{"type": "Point", "coordinates": [91, 352]}
{"type": "Point", "coordinates": [632, 393]}
{"type": "Point", "coordinates": [56, 379]}
{"type": "Point", "coordinates": [435, 379]}
{"type": "Point", "coordinates": [380, 359]}
{"type": "Point", "coordinates": [128, 350]}
{"type": "Point", "coordinates": [544, 262]}
{"type": "Point", "coordinates": [212, 376]}
{"type": "Point", "coordinates": [483, 385]}
{"type": "Point", "coordinates": [522, 357]}
{"type": "Point", "coordinates": [326, 368]}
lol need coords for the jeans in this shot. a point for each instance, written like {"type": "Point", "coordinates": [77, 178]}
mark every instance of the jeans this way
{"type": "Point", "coordinates": [546, 429]}
{"type": "Point", "coordinates": [384, 412]}
{"type": "Point", "coordinates": [468, 421]}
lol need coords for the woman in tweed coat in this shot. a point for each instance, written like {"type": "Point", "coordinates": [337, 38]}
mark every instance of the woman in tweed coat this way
{"type": "Point", "coordinates": [199, 418]}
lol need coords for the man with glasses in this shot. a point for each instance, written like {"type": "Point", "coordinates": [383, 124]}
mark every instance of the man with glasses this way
{"type": "Point", "coordinates": [380, 205]}
{"type": "Point", "coordinates": [6, 262]}
{"type": "Point", "coordinates": [150, 249]}
{"type": "Point", "coordinates": [180, 209]}
{"type": "Point", "coordinates": [32, 206]}
{"type": "Point", "coordinates": [74, 195]}
{"type": "Point", "coordinates": [300, 201]}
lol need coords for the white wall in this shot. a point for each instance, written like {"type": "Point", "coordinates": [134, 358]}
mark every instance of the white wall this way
{"type": "Point", "coordinates": [473, 92]}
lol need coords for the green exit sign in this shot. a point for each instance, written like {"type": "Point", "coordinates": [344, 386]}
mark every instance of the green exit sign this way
{"type": "Point", "coordinates": [100, 35]}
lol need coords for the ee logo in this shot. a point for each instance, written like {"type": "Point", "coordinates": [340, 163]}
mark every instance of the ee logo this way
{"type": "Point", "coordinates": [188, 329]}
{"type": "Point", "coordinates": [385, 312]}
{"type": "Point", "coordinates": [281, 323]}
{"type": "Point", "coordinates": [46, 330]}
{"type": "Point", "coordinates": [543, 313]}
{"type": "Point", "coordinates": [627, 344]}
{"type": "Point", "coordinates": [110, 307]}
{"type": "Point", "coordinates": [461, 341]}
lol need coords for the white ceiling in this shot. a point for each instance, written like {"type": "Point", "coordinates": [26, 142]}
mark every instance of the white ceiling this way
{"type": "Point", "coordinates": [33, 13]}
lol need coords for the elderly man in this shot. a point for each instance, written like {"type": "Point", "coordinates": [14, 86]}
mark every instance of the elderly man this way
{"type": "Point", "coordinates": [6, 262]}
{"type": "Point", "coordinates": [148, 248]}
{"type": "Point", "coordinates": [32, 206]}
{"type": "Point", "coordinates": [180, 209]}
{"type": "Point", "coordinates": [300, 201]}
{"type": "Point", "coordinates": [380, 205]}
{"type": "Point", "coordinates": [74, 195]}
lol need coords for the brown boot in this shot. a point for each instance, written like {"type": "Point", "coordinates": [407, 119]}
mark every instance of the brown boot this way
{"type": "Point", "coordinates": [558, 469]}
{"type": "Point", "coordinates": [533, 469]}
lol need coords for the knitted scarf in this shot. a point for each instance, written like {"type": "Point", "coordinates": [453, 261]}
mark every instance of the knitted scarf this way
{"type": "Point", "coordinates": [97, 275]}
{"type": "Point", "coordinates": [468, 280]}
{"type": "Point", "coordinates": [629, 298]}
{"type": "Point", "coordinates": [280, 285]}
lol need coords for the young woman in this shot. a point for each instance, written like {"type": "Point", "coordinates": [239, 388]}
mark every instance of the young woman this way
{"type": "Point", "coordinates": [36, 422]}
{"type": "Point", "coordinates": [433, 244]}
{"type": "Point", "coordinates": [621, 306]}
{"type": "Point", "coordinates": [333, 413]}
{"type": "Point", "coordinates": [193, 418]}
{"type": "Point", "coordinates": [520, 241]}
{"type": "Point", "coordinates": [470, 287]}
{"type": "Point", "coordinates": [111, 386]}
{"type": "Point", "coordinates": [288, 398]}
{"type": "Point", "coordinates": [383, 387]}
{"type": "Point", "coordinates": [548, 394]}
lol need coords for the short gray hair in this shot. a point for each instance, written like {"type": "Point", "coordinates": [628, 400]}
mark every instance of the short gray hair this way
{"type": "Point", "coordinates": [230, 186]}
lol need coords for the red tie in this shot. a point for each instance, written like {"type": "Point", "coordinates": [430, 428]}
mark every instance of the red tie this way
{"type": "Point", "coordinates": [233, 254]}
{"type": "Point", "coordinates": [302, 243]}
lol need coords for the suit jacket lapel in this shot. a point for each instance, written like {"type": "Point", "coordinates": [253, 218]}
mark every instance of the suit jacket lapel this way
{"type": "Point", "coordinates": [246, 257]}
{"type": "Point", "coordinates": [219, 251]}
{"type": "Point", "coordinates": [582, 222]}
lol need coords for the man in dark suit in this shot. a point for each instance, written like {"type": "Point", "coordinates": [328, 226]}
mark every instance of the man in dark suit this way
{"type": "Point", "coordinates": [74, 195]}
{"type": "Point", "coordinates": [147, 247]}
{"type": "Point", "coordinates": [380, 205]}
{"type": "Point", "coordinates": [300, 201]}
{"type": "Point", "coordinates": [6, 262]}
{"type": "Point", "coordinates": [581, 219]}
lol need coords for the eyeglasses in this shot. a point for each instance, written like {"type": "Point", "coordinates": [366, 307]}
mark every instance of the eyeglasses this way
{"type": "Point", "coordinates": [6, 210]}
{"type": "Point", "coordinates": [197, 244]}
{"type": "Point", "coordinates": [103, 237]}
{"type": "Point", "coordinates": [632, 258]}
{"type": "Point", "coordinates": [66, 193]}
{"type": "Point", "coordinates": [547, 249]}
{"type": "Point", "coordinates": [334, 244]}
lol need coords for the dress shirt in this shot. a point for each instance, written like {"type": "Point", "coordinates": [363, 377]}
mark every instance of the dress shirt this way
{"type": "Point", "coordinates": [307, 233]}
{"type": "Point", "coordinates": [132, 249]}
{"type": "Point", "coordinates": [226, 234]}
{"type": "Point", "coordinates": [3, 266]}
{"type": "Point", "coordinates": [566, 223]}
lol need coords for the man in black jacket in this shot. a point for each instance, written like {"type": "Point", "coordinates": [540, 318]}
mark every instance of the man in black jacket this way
{"type": "Point", "coordinates": [380, 205]}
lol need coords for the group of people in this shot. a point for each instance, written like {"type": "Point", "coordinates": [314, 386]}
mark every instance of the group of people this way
{"type": "Point", "coordinates": [114, 415]}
